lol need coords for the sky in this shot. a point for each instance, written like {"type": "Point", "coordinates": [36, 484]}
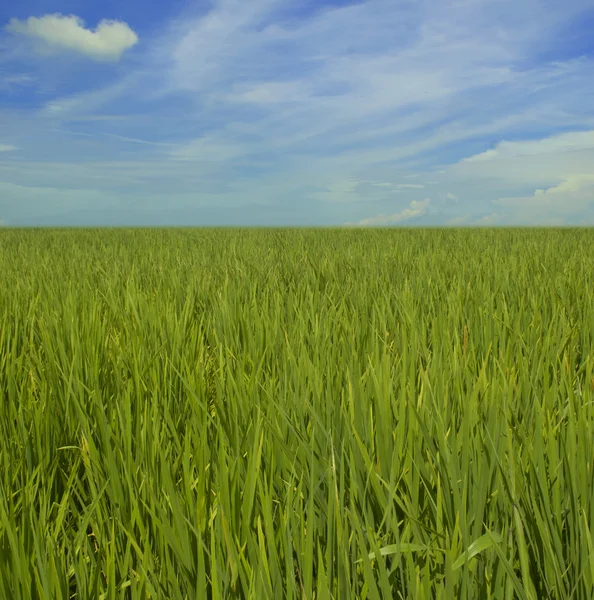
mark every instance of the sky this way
{"type": "Point", "coordinates": [297, 113]}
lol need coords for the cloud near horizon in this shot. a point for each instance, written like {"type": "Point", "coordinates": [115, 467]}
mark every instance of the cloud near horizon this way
{"type": "Point", "coordinates": [416, 209]}
{"type": "Point", "coordinates": [277, 112]}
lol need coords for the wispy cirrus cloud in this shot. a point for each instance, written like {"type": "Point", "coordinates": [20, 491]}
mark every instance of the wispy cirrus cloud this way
{"type": "Point", "coordinates": [575, 141]}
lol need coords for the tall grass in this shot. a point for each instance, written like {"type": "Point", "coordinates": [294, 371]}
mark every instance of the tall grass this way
{"type": "Point", "coordinates": [296, 414]}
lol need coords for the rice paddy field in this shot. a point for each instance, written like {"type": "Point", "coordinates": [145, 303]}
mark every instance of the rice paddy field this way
{"type": "Point", "coordinates": [300, 414]}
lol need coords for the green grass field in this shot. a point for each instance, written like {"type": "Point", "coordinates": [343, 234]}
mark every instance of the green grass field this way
{"type": "Point", "coordinates": [205, 414]}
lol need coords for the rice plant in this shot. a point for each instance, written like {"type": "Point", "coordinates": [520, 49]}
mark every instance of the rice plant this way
{"type": "Point", "coordinates": [300, 414]}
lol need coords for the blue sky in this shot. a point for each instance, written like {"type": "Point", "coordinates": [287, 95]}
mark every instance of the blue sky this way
{"type": "Point", "coordinates": [278, 112]}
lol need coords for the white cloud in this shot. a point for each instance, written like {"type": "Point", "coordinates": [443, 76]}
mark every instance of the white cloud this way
{"type": "Point", "coordinates": [11, 82]}
{"type": "Point", "coordinates": [7, 148]}
{"type": "Point", "coordinates": [137, 140]}
{"type": "Point", "coordinates": [80, 105]}
{"type": "Point", "coordinates": [562, 143]}
{"type": "Point", "coordinates": [574, 194]}
{"type": "Point", "coordinates": [273, 92]}
{"type": "Point", "coordinates": [558, 168]}
{"type": "Point", "coordinates": [452, 197]}
{"type": "Point", "coordinates": [107, 43]}
{"type": "Point", "coordinates": [542, 163]}
{"type": "Point", "coordinates": [382, 184]}
{"type": "Point", "coordinates": [357, 190]}
{"type": "Point", "coordinates": [207, 148]}
{"type": "Point", "coordinates": [416, 209]}
{"type": "Point", "coordinates": [458, 221]}
{"type": "Point", "coordinates": [337, 191]}
{"type": "Point", "coordinates": [488, 220]}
